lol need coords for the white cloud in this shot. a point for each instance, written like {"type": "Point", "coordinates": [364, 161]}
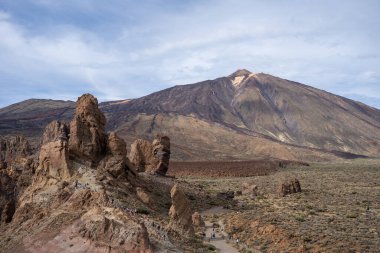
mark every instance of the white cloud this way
{"type": "Point", "coordinates": [145, 48]}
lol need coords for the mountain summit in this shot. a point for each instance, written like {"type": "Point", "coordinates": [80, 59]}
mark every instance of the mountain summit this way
{"type": "Point", "coordinates": [241, 116]}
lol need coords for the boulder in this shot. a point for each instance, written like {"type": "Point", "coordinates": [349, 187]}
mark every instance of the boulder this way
{"type": "Point", "coordinates": [197, 220]}
{"type": "Point", "coordinates": [54, 155]}
{"type": "Point", "coordinates": [289, 187]}
{"type": "Point", "coordinates": [88, 139]}
{"type": "Point", "coordinates": [250, 189]}
{"type": "Point", "coordinates": [116, 162]}
{"type": "Point", "coordinates": [180, 214]}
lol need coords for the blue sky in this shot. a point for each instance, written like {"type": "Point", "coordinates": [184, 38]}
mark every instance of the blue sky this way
{"type": "Point", "coordinates": [125, 49]}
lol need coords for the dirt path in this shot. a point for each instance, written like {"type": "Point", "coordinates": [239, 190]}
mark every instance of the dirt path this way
{"type": "Point", "coordinates": [219, 242]}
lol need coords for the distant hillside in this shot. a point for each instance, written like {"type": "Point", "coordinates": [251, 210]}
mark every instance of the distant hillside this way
{"type": "Point", "coordinates": [241, 116]}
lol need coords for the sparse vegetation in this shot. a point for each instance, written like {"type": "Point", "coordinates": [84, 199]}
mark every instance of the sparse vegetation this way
{"type": "Point", "coordinates": [335, 198]}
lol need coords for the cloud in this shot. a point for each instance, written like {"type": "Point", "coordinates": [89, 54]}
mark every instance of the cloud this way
{"type": "Point", "coordinates": [123, 49]}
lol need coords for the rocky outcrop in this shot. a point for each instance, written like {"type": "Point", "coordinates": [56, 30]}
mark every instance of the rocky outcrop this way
{"type": "Point", "coordinates": [118, 233]}
{"type": "Point", "coordinates": [12, 148]}
{"type": "Point", "coordinates": [289, 187]}
{"type": "Point", "coordinates": [54, 155]}
{"type": "Point", "coordinates": [151, 157]}
{"type": "Point", "coordinates": [161, 152]}
{"type": "Point", "coordinates": [141, 155]}
{"type": "Point", "coordinates": [7, 200]}
{"type": "Point", "coordinates": [115, 162]}
{"type": "Point", "coordinates": [180, 214]}
{"type": "Point", "coordinates": [16, 170]}
{"type": "Point", "coordinates": [88, 139]}
{"type": "Point", "coordinates": [250, 189]}
{"type": "Point", "coordinates": [197, 219]}
{"type": "Point", "coordinates": [83, 197]}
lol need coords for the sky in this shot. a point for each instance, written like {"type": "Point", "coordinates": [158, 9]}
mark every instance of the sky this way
{"type": "Point", "coordinates": [121, 49]}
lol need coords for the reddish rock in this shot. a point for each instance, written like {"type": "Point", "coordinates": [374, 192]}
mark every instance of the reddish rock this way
{"type": "Point", "coordinates": [197, 220]}
{"type": "Point", "coordinates": [161, 153]}
{"type": "Point", "coordinates": [151, 157]}
{"type": "Point", "coordinates": [141, 155]}
{"type": "Point", "coordinates": [180, 213]}
{"type": "Point", "coordinates": [116, 145]}
{"type": "Point", "coordinates": [88, 140]}
{"type": "Point", "coordinates": [54, 154]}
{"type": "Point", "coordinates": [116, 162]}
{"type": "Point", "coordinates": [250, 189]}
{"type": "Point", "coordinates": [289, 187]}
{"type": "Point", "coordinates": [13, 147]}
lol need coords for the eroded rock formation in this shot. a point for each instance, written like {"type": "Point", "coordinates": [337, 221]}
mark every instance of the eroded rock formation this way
{"type": "Point", "coordinates": [16, 170]}
{"type": "Point", "coordinates": [161, 152]}
{"type": "Point", "coordinates": [88, 139]}
{"type": "Point", "coordinates": [115, 162]}
{"type": "Point", "coordinates": [12, 148]}
{"type": "Point", "coordinates": [141, 155]}
{"type": "Point", "coordinates": [180, 213]}
{"type": "Point", "coordinates": [289, 187]}
{"type": "Point", "coordinates": [79, 193]}
{"type": "Point", "coordinates": [54, 155]}
{"type": "Point", "coordinates": [197, 220]}
{"type": "Point", "coordinates": [151, 157]}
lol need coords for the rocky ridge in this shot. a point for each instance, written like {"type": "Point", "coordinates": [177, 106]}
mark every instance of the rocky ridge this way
{"type": "Point", "coordinates": [84, 194]}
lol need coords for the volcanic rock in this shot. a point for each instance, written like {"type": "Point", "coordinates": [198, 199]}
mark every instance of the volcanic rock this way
{"type": "Point", "coordinates": [7, 200]}
{"type": "Point", "coordinates": [151, 157]}
{"type": "Point", "coordinates": [141, 155]}
{"type": "Point", "coordinates": [88, 139]}
{"type": "Point", "coordinates": [116, 162]}
{"type": "Point", "coordinates": [161, 152]}
{"type": "Point", "coordinates": [180, 213]}
{"type": "Point", "coordinates": [116, 145]}
{"type": "Point", "coordinates": [13, 147]}
{"type": "Point", "coordinates": [54, 153]}
{"type": "Point", "coordinates": [197, 220]}
{"type": "Point", "coordinates": [70, 206]}
{"type": "Point", "coordinates": [289, 187]}
{"type": "Point", "coordinates": [250, 189]}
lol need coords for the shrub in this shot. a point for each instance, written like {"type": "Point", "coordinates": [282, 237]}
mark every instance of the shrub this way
{"type": "Point", "coordinates": [142, 211]}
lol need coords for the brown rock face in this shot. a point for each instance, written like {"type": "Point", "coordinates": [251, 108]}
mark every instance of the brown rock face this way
{"type": "Point", "coordinates": [88, 139]}
{"type": "Point", "coordinates": [161, 152]}
{"type": "Point", "coordinates": [12, 148]}
{"type": "Point", "coordinates": [54, 154]}
{"type": "Point", "coordinates": [141, 154]}
{"type": "Point", "coordinates": [116, 145]}
{"type": "Point", "coordinates": [197, 220]}
{"type": "Point", "coordinates": [289, 187]}
{"type": "Point", "coordinates": [151, 157]}
{"type": "Point", "coordinates": [180, 213]}
{"type": "Point", "coordinates": [115, 161]}
{"type": "Point", "coordinates": [7, 200]}
{"type": "Point", "coordinates": [250, 189]}
{"type": "Point", "coordinates": [16, 171]}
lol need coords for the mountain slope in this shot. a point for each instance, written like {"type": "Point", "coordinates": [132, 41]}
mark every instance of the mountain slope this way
{"type": "Point", "coordinates": [241, 116]}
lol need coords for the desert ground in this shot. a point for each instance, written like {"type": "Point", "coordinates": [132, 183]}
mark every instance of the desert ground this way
{"type": "Point", "coordinates": [338, 209]}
